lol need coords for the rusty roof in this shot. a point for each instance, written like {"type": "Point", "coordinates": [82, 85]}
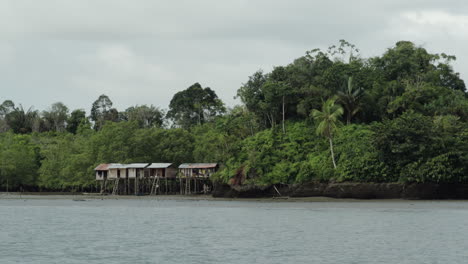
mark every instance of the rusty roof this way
{"type": "Point", "coordinates": [198, 165]}
{"type": "Point", "coordinates": [102, 167]}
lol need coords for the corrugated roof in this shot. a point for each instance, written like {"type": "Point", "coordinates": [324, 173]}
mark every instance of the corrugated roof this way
{"type": "Point", "coordinates": [159, 165]}
{"type": "Point", "coordinates": [198, 165]}
{"type": "Point", "coordinates": [136, 165]}
{"type": "Point", "coordinates": [102, 167]}
{"type": "Point", "coordinates": [116, 166]}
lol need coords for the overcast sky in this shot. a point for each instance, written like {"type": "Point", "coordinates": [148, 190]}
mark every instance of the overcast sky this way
{"type": "Point", "coordinates": [142, 52]}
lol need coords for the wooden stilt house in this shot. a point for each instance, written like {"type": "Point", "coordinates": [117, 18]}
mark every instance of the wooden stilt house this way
{"type": "Point", "coordinates": [136, 170]}
{"type": "Point", "coordinates": [116, 171]}
{"type": "Point", "coordinates": [101, 171]}
{"type": "Point", "coordinates": [163, 170]}
{"type": "Point", "coordinates": [162, 177]}
{"type": "Point", "coordinates": [194, 178]}
{"type": "Point", "coordinates": [198, 170]}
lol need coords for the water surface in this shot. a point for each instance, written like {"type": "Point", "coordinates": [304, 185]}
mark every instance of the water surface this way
{"type": "Point", "coordinates": [189, 231]}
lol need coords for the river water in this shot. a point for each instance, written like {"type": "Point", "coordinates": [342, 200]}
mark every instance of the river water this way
{"type": "Point", "coordinates": [190, 231]}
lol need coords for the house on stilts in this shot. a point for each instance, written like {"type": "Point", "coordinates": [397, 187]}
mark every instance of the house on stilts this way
{"type": "Point", "coordinates": [137, 178]}
{"type": "Point", "coordinates": [101, 171]}
{"type": "Point", "coordinates": [194, 178]}
{"type": "Point", "coordinates": [162, 177]}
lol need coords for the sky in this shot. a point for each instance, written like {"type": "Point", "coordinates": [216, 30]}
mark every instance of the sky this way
{"type": "Point", "coordinates": [143, 52]}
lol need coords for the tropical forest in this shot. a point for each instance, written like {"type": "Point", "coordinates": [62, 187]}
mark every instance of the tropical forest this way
{"type": "Point", "coordinates": [331, 115]}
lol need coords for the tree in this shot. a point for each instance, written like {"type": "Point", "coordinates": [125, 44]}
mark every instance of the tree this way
{"type": "Point", "coordinates": [111, 143]}
{"type": "Point", "coordinates": [56, 117]}
{"type": "Point", "coordinates": [409, 138]}
{"type": "Point", "coordinates": [408, 63]}
{"type": "Point", "coordinates": [18, 160]}
{"type": "Point", "coordinates": [251, 94]}
{"type": "Point", "coordinates": [21, 121]}
{"type": "Point", "coordinates": [77, 117]}
{"type": "Point", "coordinates": [102, 111]}
{"type": "Point", "coordinates": [194, 106]}
{"type": "Point", "coordinates": [5, 108]}
{"type": "Point", "coordinates": [344, 48]}
{"type": "Point", "coordinates": [268, 96]}
{"type": "Point", "coordinates": [349, 97]}
{"type": "Point", "coordinates": [146, 116]}
{"type": "Point", "coordinates": [329, 121]}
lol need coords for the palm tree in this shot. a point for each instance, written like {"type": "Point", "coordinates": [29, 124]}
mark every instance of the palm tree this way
{"type": "Point", "coordinates": [21, 121]}
{"type": "Point", "coordinates": [329, 122]}
{"type": "Point", "coordinates": [349, 97]}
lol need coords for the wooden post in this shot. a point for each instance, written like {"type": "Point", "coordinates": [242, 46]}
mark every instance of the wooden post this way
{"type": "Point", "coordinates": [125, 186]}
{"type": "Point", "coordinates": [136, 185]}
{"type": "Point", "coordinates": [180, 185]}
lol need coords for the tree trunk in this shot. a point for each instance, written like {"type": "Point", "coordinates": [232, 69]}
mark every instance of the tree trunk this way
{"type": "Point", "coordinates": [332, 153]}
{"type": "Point", "coordinates": [270, 118]}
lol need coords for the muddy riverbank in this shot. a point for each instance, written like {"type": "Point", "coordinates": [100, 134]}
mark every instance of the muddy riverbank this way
{"type": "Point", "coordinates": [347, 190]}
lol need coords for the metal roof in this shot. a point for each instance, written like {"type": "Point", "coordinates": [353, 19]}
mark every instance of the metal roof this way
{"type": "Point", "coordinates": [136, 165]}
{"type": "Point", "coordinates": [102, 167]}
{"type": "Point", "coordinates": [116, 166]}
{"type": "Point", "coordinates": [159, 165]}
{"type": "Point", "coordinates": [198, 165]}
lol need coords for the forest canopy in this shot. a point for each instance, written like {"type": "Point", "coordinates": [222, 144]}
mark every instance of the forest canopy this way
{"type": "Point", "coordinates": [330, 115]}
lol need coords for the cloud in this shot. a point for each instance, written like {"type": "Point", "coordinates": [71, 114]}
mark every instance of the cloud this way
{"type": "Point", "coordinates": [6, 54]}
{"type": "Point", "coordinates": [437, 30]}
{"type": "Point", "coordinates": [142, 52]}
{"type": "Point", "coordinates": [120, 72]}
{"type": "Point", "coordinates": [436, 22]}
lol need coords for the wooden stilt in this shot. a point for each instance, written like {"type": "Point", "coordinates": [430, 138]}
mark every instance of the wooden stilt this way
{"type": "Point", "coordinates": [136, 185]}
{"type": "Point", "coordinates": [115, 190]}
{"type": "Point", "coordinates": [180, 186]}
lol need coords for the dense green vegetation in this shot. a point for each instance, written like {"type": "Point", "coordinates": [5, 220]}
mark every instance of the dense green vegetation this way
{"type": "Point", "coordinates": [328, 116]}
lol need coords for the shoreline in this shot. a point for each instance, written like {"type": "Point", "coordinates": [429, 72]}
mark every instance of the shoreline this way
{"type": "Point", "coordinates": [175, 197]}
{"type": "Point", "coordinates": [86, 197]}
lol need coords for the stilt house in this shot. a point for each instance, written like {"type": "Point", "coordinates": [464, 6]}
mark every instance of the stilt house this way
{"type": "Point", "coordinates": [101, 171]}
{"type": "Point", "coordinates": [116, 171]}
{"type": "Point", "coordinates": [197, 170]}
{"type": "Point", "coordinates": [163, 170]}
{"type": "Point", "coordinates": [136, 170]}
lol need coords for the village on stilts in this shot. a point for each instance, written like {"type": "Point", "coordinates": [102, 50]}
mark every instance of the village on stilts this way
{"type": "Point", "coordinates": [155, 178]}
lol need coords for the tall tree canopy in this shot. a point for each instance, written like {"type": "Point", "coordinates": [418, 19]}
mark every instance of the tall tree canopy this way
{"type": "Point", "coordinates": [21, 121]}
{"type": "Point", "coordinates": [56, 117]}
{"type": "Point", "coordinates": [146, 116]}
{"type": "Point", "coordinates": [102, 111]}
{"type": "Point", "coordinates": [194, 105]}
{"type": "Point", "coordinates": [76, 118]}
